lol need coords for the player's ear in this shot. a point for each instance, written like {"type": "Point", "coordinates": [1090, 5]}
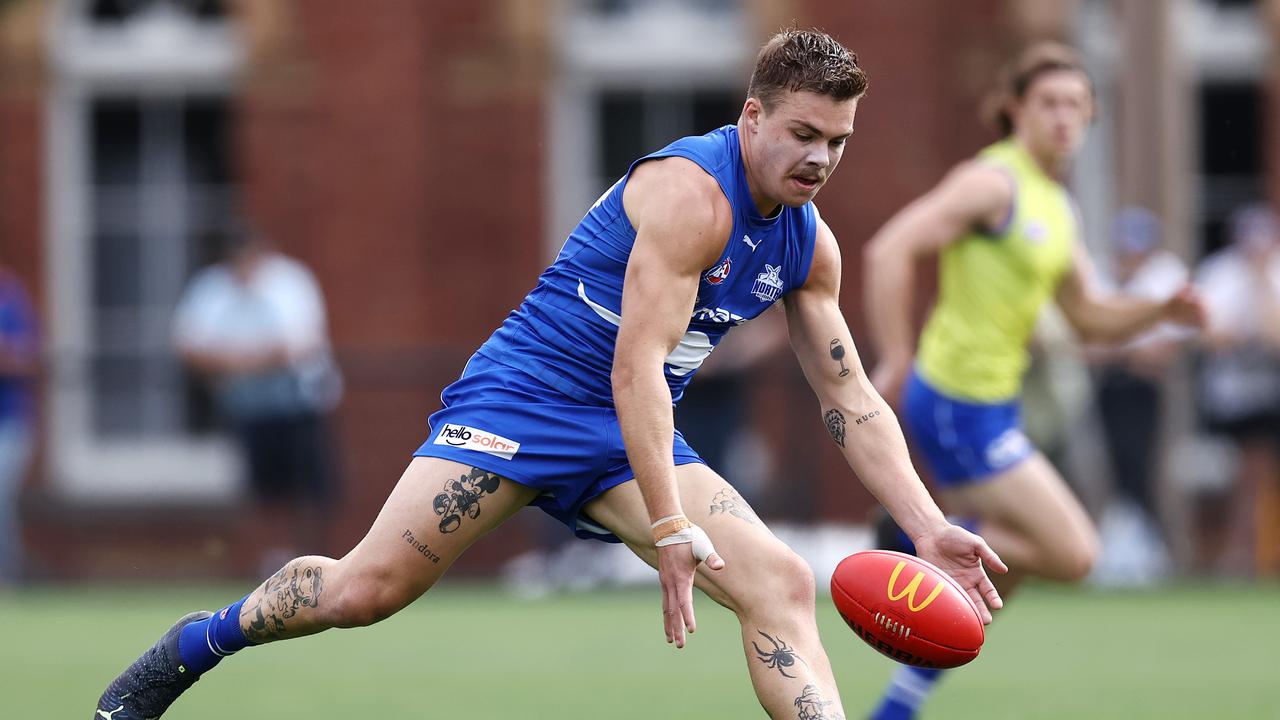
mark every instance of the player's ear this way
{"type": "Point", "coordinates": [751, 111]}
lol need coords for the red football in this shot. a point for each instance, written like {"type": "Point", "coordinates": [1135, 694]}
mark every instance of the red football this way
{"type": "Point", "coordinates": [907, 609]}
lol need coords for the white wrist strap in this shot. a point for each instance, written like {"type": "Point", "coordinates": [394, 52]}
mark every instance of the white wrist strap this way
{"type": "Point", "coordinates": [702, 547]}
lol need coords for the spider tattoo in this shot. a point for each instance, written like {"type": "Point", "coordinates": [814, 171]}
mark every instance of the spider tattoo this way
{"type": "Point", "coordinates": [780, 657]}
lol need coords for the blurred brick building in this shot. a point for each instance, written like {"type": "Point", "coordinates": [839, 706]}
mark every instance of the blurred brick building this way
{"type": "Point", "coordinates": [424, 157]}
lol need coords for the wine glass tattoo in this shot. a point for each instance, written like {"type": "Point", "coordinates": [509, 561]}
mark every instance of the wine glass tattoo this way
{"type": "Point", "coordinates": [837, 354]}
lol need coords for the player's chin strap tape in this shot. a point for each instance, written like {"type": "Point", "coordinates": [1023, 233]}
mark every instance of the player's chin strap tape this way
{"type": "Point", "coordinates": [676, 529]}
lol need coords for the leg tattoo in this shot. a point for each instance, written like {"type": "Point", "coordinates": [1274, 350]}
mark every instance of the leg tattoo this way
{"type": "Point", "coordinates": [461, 498]}
{"type": "Point", "coordinates": [780, 657]}
{"type": "Point", "coordinates": [729, 501]}
{"type": "Point", "coordinates": [296, 586]}
{"type": "Point", "coordinates": [813, 707]}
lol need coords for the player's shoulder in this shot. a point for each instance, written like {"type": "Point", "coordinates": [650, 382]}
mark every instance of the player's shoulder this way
{"type": "Point", "coordinates": [982, 176]}
{"type": "Point", "coordinates": [979, 192]}
{"type": "Point", "coordinates": [674, 176]}
{"type": "Point", "coordinates": [677, 187]}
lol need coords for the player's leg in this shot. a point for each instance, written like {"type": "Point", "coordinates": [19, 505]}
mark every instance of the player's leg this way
{"type": "Point", "coordinates": [1031, 518]}
{"type": "Point", "coordinates": [768, 586]}
{"type": "Point", "coordinates": [435, 512]}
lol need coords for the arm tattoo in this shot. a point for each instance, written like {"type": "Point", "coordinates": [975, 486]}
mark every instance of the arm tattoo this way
{"type": "Point", "coordinates": [837, 354]}
{"type": "Point", "coordinates": [461, 497]}
{"type": "Point", "coordinates": [835, 425]}
{"type": "Point", "coordinates": [729, 501]}
{"type": "Point", "coordinates": [813, 707]}
{"type": "Point", "coordinates": [296, 586]}
{"type": "Point", "coordinates": [868, 417]}
{"type": "Point", "coordinates": [780, 657]}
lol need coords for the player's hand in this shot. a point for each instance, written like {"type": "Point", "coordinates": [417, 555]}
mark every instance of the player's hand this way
{"type": "Point", "coordinates": [961, 554]}
{"type": "Point", "coordinates": [1186, 308]}
{"type": "Point", "coordinates": [678, 558]}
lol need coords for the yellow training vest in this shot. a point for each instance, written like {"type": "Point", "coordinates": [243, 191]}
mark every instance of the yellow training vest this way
{"type": "Point", "coordinates": [991, 287]}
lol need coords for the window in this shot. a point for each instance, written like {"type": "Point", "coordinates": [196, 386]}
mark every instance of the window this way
{"type": "Point", "coordinates": [161, 195]}
{"type": "Point", "coordinates": [1231, 172]}
{"type": "Point", "coordinates": [623, 7]}
{"type": "Point", "coordinates": [636, 76]}
{"type": "Point", "coordinates": [141, 184]}
{"type": "Point", "coordinates": [633, 123]}
{"type": "Point", "coordinates": [123, 11]}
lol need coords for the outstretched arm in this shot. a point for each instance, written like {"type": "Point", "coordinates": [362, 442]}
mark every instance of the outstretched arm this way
{"type": "Point", "coordinates": [682, 221]}
{"type": "Point", "coordinates": [864, 427]}
{"type": "Point", "coordinates": [1109, 318]}
{"type": "Point", "coordinates": [974, 195]}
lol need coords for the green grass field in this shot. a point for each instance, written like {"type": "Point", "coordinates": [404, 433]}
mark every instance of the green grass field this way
{"type": "Point", "coordinates": [476, 652]}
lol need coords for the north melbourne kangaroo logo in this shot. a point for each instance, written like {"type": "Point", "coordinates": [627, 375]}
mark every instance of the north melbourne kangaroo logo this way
{"type": "Point", "coordinates": [768, 285]}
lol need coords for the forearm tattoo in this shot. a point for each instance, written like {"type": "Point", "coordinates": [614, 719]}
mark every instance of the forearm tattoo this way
{"type": "Point", "coordinates": [730, 502]}
{"type": "Point", "coordinates": [868, 417]}
{"type": "Point", "coordinates": [461, 498]}
{"type": "Point", "coordinates": [812, 707]}
{"type": "Point", "coordinates": [835, 425]}
{"type": "Point", "coordinates": [837, 354]}
{"type": "Point", "coordinates": [297, 585]}
{"type": "Point", "coordinates": [779, 656]}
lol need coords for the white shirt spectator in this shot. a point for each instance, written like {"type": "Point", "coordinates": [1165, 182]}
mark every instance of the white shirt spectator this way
{"type": "Point", "coordinates": [1229, 284]}
{"type": "Point", "coordinates": [279, 305]}
{"type": "Point", "coordinates": [1243, 379]}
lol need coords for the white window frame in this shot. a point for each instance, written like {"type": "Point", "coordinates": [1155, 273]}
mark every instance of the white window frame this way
{"type": "Point", "coordinates": [162, 57]}
{"type": "Point", "coordinates": [654, 45]}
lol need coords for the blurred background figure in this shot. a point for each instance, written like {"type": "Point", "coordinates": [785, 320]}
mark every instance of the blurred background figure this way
{"type": "Point", "coordinates": [1240, 384]}
{"type": "Point", "coordinates": [17, 368]}
{"type": "Point", "coordinates": [1130, 382]}
{"type": "Point", "coordinates": [254, 327]}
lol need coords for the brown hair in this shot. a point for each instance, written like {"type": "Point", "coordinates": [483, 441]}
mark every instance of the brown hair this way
{"type": "Point", "coordinates": [1016, 78]}
{"type": "Point", "coordinates": [805, 60]}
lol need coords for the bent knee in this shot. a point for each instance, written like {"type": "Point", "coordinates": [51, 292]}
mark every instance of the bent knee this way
{"type": "Point", "coordinates": [1073, 563]}
{"type": "Point", "coordinates": [783, 579]}
{"type": "Point", "coordinates": [369, 598]}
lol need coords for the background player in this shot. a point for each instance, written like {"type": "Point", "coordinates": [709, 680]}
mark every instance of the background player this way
{"type": "Point", "coordinates": [571, 399]}
{"type": "Point", "coordinates": [1006, 234]}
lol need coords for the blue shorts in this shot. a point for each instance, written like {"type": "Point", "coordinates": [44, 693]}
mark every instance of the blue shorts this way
{"type": "Point", "coordinates": [963, 441]}
{"type": "Point", "coordinates": [509, 423]}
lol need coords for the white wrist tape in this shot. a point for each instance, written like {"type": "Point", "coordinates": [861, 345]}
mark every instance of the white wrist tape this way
{"type": "Point", "coordinates": [702, 547]}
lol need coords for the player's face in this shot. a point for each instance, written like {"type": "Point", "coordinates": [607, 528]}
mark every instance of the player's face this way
{"type": "Point", "coordinates": [1054, 113]}
{"type": "Point", "coordinates": [796, 145]}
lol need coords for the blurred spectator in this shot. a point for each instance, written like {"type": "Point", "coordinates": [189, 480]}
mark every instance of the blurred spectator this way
{"type": "Point", "coordinates": [17, 366]}
{"type": "Point", "coordinates": [1240, 385]}
{"type": "Point", "coordinates": [1130, 379]}
{"type": "Point", "coordinates": [254, 326]}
